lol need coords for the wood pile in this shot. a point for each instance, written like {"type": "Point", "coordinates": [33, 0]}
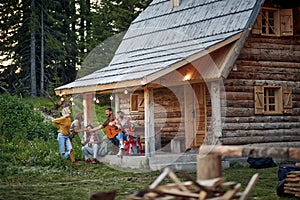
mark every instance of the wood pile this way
{"type": "Point", "coordinates": [292, 183]}
{"type": "Point", "coordinates": [212, 189]}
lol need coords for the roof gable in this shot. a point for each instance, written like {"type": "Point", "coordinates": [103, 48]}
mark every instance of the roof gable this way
{"type": "Point", "coordinates": [162, 36]}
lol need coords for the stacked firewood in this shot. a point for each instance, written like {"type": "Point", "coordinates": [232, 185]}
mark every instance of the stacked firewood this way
{"type": "Point", "coordinates": [213, 189]}
{"type": "Point", "coordinates": [292, 183]}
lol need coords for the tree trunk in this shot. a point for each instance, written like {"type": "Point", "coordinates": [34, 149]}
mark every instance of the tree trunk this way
{"type": "Point", "coordinates": [32, 52]}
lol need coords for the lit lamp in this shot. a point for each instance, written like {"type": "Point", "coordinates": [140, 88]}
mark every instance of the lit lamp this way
{"type": "Point", "coordinates": [125, 91]}
{"type": "Point", "coordinates": [111, 97]}
{"type": "Point", "coordinates": [187, 77]}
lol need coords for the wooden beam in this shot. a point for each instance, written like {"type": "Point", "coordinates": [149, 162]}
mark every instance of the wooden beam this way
{"type": "Point", "coordinates": [87, 108]}
{"type": "Point", "coordinates": [188, 115]}
{"type": "Point", "coordinates": [117, 102]}
{"type": "Point", "coordinates": [149, 122]}
{"type": "Point", "coordinates": [251, 151]}
{"type": "Point", "coordinates": [233, 54]}
{"type": "Point", "coordinates": [215, 93]}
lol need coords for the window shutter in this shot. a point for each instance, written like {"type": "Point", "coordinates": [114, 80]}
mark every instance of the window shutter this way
{"type": "Point", "coordinates": [287, 100]}
{"type": "Point", "coordinates": [259, 99]}
{"type": "Point", "coordinates": [134, 103]}
{"type": "Point", "coordinates": [286, 22]}
{"type": "Point", "coordinates": [256, 29]}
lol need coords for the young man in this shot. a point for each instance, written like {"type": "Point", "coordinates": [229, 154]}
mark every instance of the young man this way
{"type": "Point", "coordinates": [110, 121]}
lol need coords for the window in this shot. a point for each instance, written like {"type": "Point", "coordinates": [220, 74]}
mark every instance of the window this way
{"type": "Point", "coordinates": [274, 22]}
{"type": "Point", "coordinates": [272, 100]}
{"type": "Point", "coordinates": [268, 22]}
{"type": "Point", "coordinates": [272, 97]}
{"type": "Point", "coordinates": [134, 103]}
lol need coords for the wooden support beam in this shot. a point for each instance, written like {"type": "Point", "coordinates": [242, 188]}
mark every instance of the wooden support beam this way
{"type": "Point", "coordinates": [188, 115]}
{"type": "Point", "coordinates": [149, 122]}
{"type": "Point", "coordinates": [251, 151]}
{"type": "Point", "coordinates": [87, 108]}
{"type": "Point", "coordinates": [216, 110]}
{"type": "Point", "coordinates": [117, 102]}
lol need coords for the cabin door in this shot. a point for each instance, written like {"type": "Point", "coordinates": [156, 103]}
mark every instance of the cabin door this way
{"type": "Point", "coordinates": [199, 114]}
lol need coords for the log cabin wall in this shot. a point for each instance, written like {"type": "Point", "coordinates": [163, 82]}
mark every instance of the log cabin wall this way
{"type": "Point", "coordinates": [264, 60]}
{"type": "Point", "coordinates": [168, 114]}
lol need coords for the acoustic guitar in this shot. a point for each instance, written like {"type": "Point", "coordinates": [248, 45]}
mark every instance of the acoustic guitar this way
{"type": "Point", "coordinates": [112, 131]}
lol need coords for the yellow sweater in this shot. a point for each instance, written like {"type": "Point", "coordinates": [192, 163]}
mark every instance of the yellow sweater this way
{"type": "Point", "coordinates": [63, 124]}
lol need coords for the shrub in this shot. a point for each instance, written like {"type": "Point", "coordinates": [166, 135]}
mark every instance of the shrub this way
{"type": "Point", "coordinates": [19, 119]}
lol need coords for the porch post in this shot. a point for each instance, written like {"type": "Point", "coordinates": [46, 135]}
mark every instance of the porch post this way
{"type": "Point", "coordinates": [216, 111]}
{"type": "Point", "coordinates": [87, 108]}
{"type": "Point", "coordinates": [149, 122]}
{"type": "Point", "coordinates": [188, 116]}
{"type": "Point", "coordinates": [117, 102]}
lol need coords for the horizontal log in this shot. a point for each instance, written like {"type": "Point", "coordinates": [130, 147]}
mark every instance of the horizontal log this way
{"type": "Point", "coordinates": [250, 151]}
{"type": "Point", "coordinates": [261, 126]}
{"type": "Point", "coordinates": [273, 64]}
{"type": "Point", "coordinates": [252, 133]}
{"type": "Point", "coordinates": [258, 139]}
{"type": "Point", "coordinates": [239, 87]}
{"type": "Point", "coordinates": [252, 82]}
{"type": "Point", "coordinates": [239, 95]}
{"type": "Point", "coordinates": [267, 75]}
{"type": "Point", "coordinates": [239, 103]}
{"type": "Point", "coordinates": [272, 40]}
{"type": "Point", "coordinates": [241, 112]}
{"type": "Point", "coordinates": [262, 119]}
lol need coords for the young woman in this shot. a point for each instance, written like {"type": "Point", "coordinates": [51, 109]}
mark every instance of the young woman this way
{"type": "Point", "coordinates": [63, 124]}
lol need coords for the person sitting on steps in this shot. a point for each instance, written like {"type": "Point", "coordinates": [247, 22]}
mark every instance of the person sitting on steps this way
{"type": "Point", "coordinates": [91, 145]}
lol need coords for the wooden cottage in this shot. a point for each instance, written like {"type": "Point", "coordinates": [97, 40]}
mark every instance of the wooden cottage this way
{"type": "Point", "coordinates": [190, 72]}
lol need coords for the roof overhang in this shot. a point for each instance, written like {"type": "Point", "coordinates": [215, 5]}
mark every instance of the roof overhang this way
{"type": "Point", "coordinates": [237, 39]}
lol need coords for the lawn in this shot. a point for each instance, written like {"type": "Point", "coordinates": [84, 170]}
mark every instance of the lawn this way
{"type": "Point", "coordinates": [79, 182]}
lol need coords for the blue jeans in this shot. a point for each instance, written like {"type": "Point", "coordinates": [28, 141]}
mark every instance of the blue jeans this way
{"type": "Point", "coordinates": [121, 136]}
{"type": "Point", "coordinates": [64, 144]}
{"type": "Point", "coordinates": [90, 150]}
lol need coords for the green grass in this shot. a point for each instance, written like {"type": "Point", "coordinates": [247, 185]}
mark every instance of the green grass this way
{"type": "Point", "coordinates": [79, 182]}
{"type": "Point", "coordinates": [34, 170]}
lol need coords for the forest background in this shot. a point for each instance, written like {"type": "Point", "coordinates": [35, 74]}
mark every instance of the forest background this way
{"type": "Point", "coordinates": [44, 43]}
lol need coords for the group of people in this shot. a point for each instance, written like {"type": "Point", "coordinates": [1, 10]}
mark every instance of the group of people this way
{"type": "Point", "coordinates": [125, 138]}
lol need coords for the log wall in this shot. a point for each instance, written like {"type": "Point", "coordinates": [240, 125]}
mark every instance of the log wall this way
{"type": "Point", "coordinates": [263, 61]}
{"type": "Point", "coordinates": [168, 114]}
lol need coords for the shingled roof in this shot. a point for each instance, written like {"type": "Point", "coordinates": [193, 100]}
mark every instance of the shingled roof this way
{"type": "Point", "coordinates": [162, 36]}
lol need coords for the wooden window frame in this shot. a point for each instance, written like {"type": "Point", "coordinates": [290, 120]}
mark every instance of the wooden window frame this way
{"type": "Point", "coordinates": [281, 24]}
{"type": "Point", "coordinates": [271, 24]}
{"type": "Point", "coordinates": [273, 100]}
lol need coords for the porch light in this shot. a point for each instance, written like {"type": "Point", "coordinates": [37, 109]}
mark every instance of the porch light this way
{"type": "Point", "coordinates": [97, 101]}
{"type": "Point", "coordinates": [126, 91]}
{"type": "Point", "coordinates": [187, 77]}
{"type": "Point", "coordinates": [111, 97]}
{"type": "Point", "coordinates": [94, 99]}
